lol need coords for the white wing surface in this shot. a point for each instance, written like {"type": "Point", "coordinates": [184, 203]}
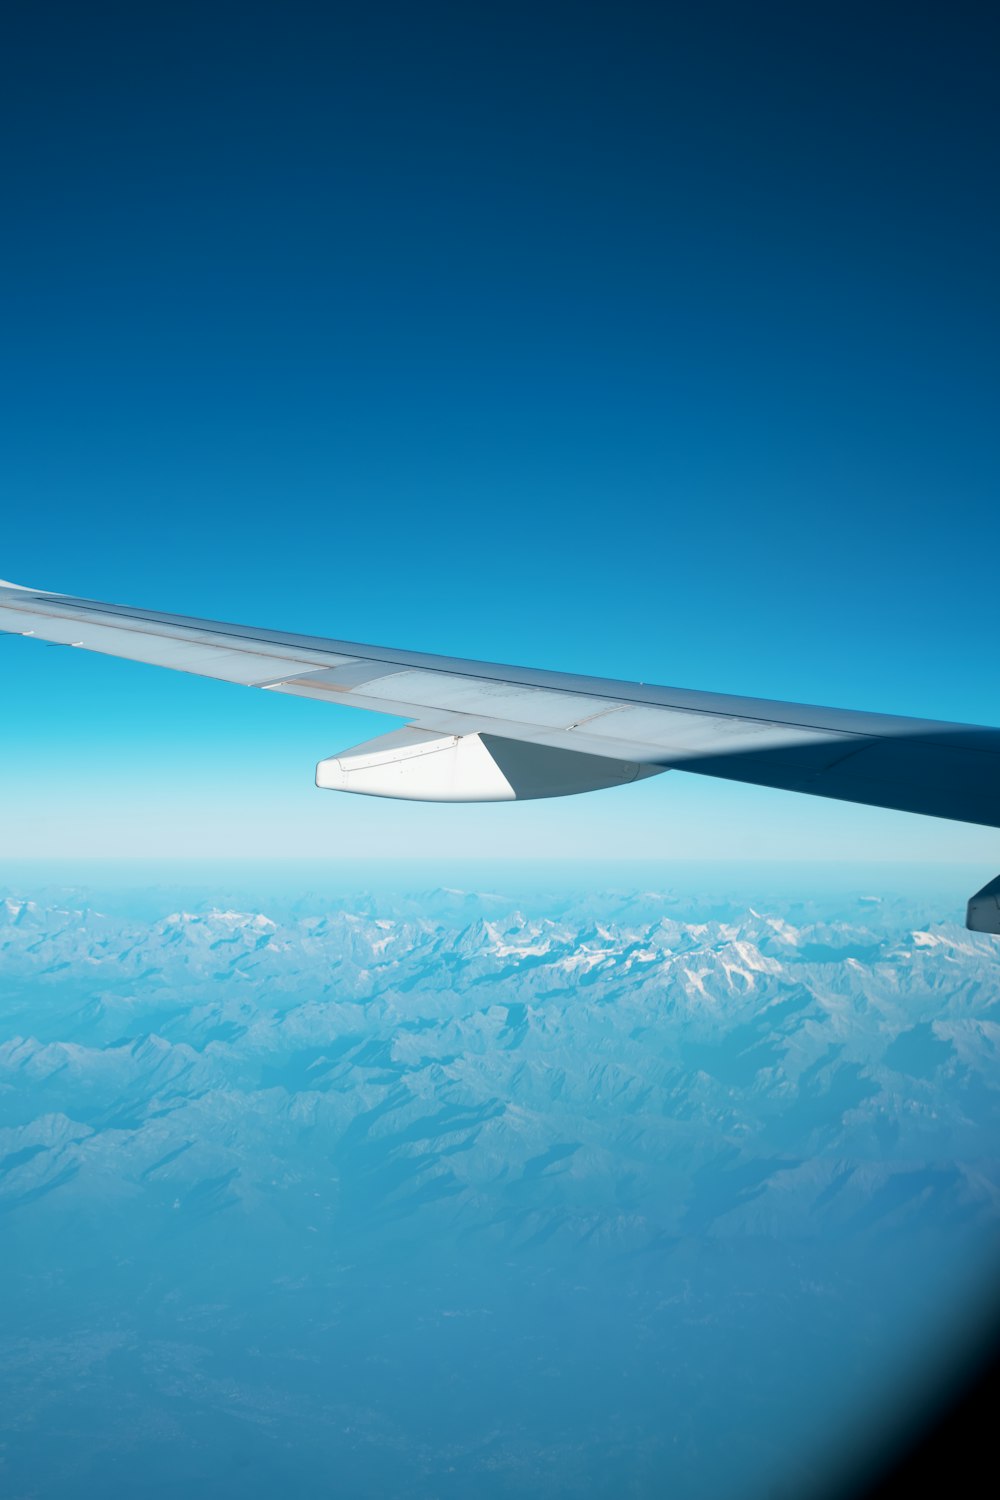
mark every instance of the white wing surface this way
{"type": "Point", "coordinates": [482, 732]}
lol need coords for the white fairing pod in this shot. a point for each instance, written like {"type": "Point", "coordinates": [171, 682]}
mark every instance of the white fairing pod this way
{"type": "Point", "coordinates": [422, 766]}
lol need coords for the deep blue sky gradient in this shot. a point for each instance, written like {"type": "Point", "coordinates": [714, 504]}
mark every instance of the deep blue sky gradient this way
{"type": "Point", "coordinates": [655, 342]}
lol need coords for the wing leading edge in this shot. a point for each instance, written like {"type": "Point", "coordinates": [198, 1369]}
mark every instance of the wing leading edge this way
{"type": "Point", "coordinates": [482, 731]}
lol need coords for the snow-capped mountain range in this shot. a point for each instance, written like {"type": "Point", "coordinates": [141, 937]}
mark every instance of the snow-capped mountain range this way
{"type": "Point", "coordinates": [731, 1123]}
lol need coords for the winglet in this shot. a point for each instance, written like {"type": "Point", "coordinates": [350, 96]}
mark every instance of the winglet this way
{"type": "Point", "coordinates": [984, 909]}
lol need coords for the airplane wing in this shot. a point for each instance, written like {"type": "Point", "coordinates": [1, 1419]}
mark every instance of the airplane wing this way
{"type": "Point", "coordinates": [477, 731]}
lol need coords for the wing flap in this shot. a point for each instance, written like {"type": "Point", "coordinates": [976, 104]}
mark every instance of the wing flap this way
{"type": "Point", "coordinates": [205, 653]}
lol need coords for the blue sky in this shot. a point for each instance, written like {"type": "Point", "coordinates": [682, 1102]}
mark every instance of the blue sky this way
{"type": "Point", "coordinates": [615, 339]}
